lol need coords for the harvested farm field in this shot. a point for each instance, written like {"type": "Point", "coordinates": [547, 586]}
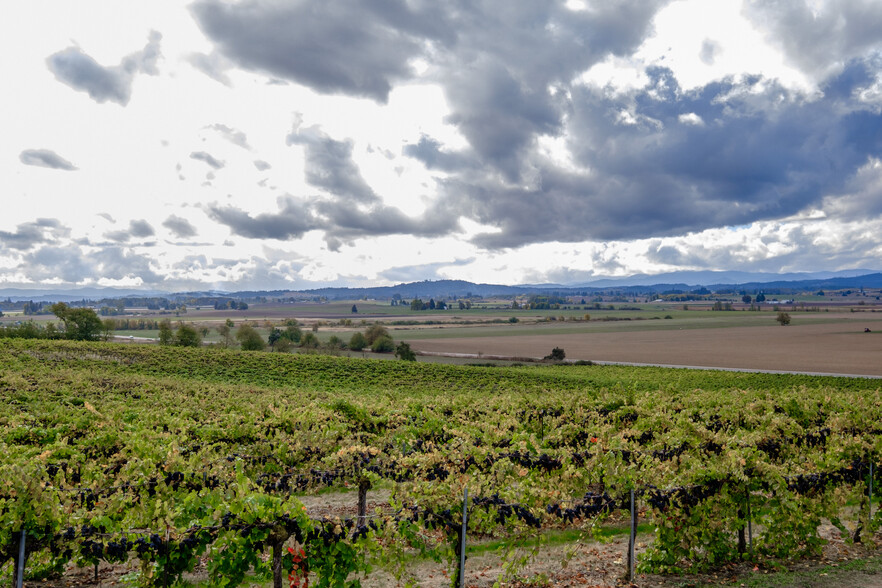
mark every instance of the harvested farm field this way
{"type": "Point", "coordinates": [835, 347]}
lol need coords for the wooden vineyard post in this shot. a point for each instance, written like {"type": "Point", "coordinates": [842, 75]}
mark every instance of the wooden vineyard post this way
{"type": "Point", "coordinates": [749, 525]}
{"type": "Point", "coordinates": [276, 540]}
{"type": "Point", "coordinates": [277, 563]}
{"type": "Point", "coordinates": [856, 537]}
{"type": "Point", "coordinates": [363, 486]}
{"type": "Point", "coordinates": [742, 542]}
{"type": "Point", "coordinates": [744, 513]}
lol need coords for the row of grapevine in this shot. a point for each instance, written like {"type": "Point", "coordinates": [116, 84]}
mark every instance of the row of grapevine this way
{"type": "Point", "coordinates": [335, 549]}
{"type": "Point", "coordinates": [109, 449]}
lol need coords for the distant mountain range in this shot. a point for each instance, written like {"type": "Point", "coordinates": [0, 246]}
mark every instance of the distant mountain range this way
{"type": "Point", "coordinates": [74, 294]}
{"type": "Point", "coordinates": [637, 284]}
{"type": "Point", "coordinates": [710, 278]}
{"type": "Point", "coordinates": [682, 281]}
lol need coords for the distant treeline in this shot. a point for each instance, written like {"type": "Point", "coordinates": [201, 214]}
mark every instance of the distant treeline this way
{"type": "Point", "coordinates": [138, 324]}
{"type": "Point", "coordinates": [34, 330]}
{"type": "Point", "coordinates": [30, 330]}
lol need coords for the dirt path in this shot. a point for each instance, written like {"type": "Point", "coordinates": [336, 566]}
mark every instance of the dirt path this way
{"type": "Point", "coordinates": [834, 348]}
{"type": "Point", "coordinates": [585, 563]}
{"type": "Point", "coordinates": [588, 564]}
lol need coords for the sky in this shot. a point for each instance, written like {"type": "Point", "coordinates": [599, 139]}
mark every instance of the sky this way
{"type": "Point", "coordinates": [287, 145]}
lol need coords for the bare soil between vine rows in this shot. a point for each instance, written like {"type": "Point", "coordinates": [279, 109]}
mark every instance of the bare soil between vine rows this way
{"type": "Point", "coordinates": [588, 565]}
{"type": "Point", "coordinates": [576, 564]}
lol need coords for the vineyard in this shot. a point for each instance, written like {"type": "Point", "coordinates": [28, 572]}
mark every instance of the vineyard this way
{"type": "Point", "coordinates": [166, 457]}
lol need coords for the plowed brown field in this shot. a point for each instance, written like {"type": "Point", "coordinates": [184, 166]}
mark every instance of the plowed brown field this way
{"type": "Point", "coordinates": [834, 348]}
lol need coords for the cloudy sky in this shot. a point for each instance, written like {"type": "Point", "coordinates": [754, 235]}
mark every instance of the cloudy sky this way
{"type": "Point", "coordinates": [269, 144]}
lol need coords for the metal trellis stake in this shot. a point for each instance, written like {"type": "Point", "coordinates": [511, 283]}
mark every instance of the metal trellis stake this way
{"type": "Point", "coordinates": [21, 560]}
{"type": "Point", "coordinates": [462, 545]}
{"type": "Point", "coordinates": [871, 491]}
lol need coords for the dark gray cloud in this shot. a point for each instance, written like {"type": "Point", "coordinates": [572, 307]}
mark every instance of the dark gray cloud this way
{"type": "Point", "coordinates": [117, 263]}
{"type": "Point", "coordinates": [207, 158]}
{"type": "Point", "coordinates": [120, 236]}
{"type": "Point", "coordinates": [29, 235]}
{"type": "Point", "coordinates": [818, 37]}
{"type": "Point", "coordinates": [357, 48]}
{"type": "Point", "coordinates": [501, 115]}
{"type": "Point", "coordinates": [647, 162]}
{"type": "Point", "coordinates": [341, 221]}
{"type": "Point", "coordinates": [344, 221]}
{"type": "Point", "coordinates": [138, 229]}
{"type": "Point", "coordinates": [180, 227]}
{"type": "Point", "coordinates": [261, 165]}
{"type": "Point", "coordinates": [505, 67]}
{"type": "Point", "coordinates": [234, 136]}
{"type": "Point", "coordinates": [762, 152]}
{"type": "Point", "coordinates": [292, 221]}
{"type": "Point", "coordinates": [141, 229]}
{"type": "Point", "coordinates": [329, 164]}
{"type": "Point", "coordinates": [349, 210]}
{"type": "Point", "coordinates": [507, 77]}
{"type": "Point", "coordinates": [68, 263]}
{"type": "Point", "coordinates": [45, 158]}
{"type": "Point", "coordinates": [81, 72]}
{"type": "Point", "coordinates": [430, 152]}
{"type": "Point", "coordinates": [74, 265]}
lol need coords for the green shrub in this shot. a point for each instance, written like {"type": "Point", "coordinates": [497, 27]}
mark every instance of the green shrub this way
{"type": "Point", "coordinates": [309, 341]}
{"type": "Point", "coordinates": [404, 352]}
{"type": "Point", "coordinates": [357, 342]}
{"type": "Point", "coordinates": [249, 338]}
{"type": "Point", "coordinates": [383, 344]}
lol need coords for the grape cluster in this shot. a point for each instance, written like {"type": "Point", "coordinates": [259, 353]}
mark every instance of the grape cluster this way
{"type": "Point", "coordinates": [687, 497]}
{"type": "Point", "coordinates": [505, 511]}
{"type": "Point", "coordinates": [644, 438]}
{"type": "Point", "coordinates": [712, 448]}
{"type": "Point", "coordinates": [771, 447]}
{"type": "Point", "coordinates": [53, 468]}
{"type": "Point", "coordinates": [298, 482]}
{"type": "Point", "coordinates": [542, 461]}
{"type": "Point", "coordinates": [116, 549]}
{"type": "Point", "coordinates": [669, 453]}
{"type": "Point", "coordinates": [88, 497]}
{"type": "Point", "coordinates": [855, 472]}
{"type": "Point", "coordinates": [816, 439]}
{"type": "Point", "coordinates": [592, 504]}
{"type": "Point", "coordinates": [330, 531]}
